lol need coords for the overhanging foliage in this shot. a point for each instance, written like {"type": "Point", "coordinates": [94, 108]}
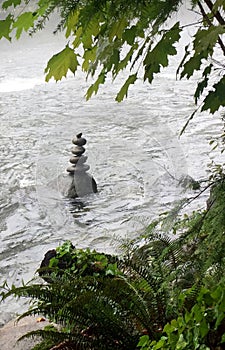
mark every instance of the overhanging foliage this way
{"type": "Point", "coordinates": [106, 37]}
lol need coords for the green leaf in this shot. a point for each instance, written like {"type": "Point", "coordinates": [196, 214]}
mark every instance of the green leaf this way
{"type": "Point", "coordinates": [181, 344]}
{"type": "Point", "coordinates": [194, 63]}
{"type": "Point", "coordinates": [197, 313]}
{"type": "Point", "coordinates": [158, 57]}
{"type": "Point", "coordinates": [203, 328]}
{"type": "Point", "coordinates": [206, 39]}
{"type": "Point", "coordinates": [91, 31]}
{"type": "Point", "coordinates": [9, 3]}
{"type": "Point", "coordinates": [160, 344]}
{"type": "Point", "coordinates": [112, 61]}
{"type": "Point", "coordinates": [89, 57]}
{"type": "Point", "coordinates": [170, 327]}
{"type": "Point", "coordinates": [140, 51]}
{"type": "Point", "coordinates": [5, 26]}
{"type": "Point", "coordinates": [117, 28]}
{"type": "Point", "coordinates": [218, 4]}
{"type": "Point", "coordinates": [129, 35]}
{"type": "Point", "coordinates": [219, 319]}
{"type": "Point", "coordinates": [124, 90]}
{"type": "Point", "coordinates": [112, 270]}
{"type": "Point", "coordinates": [24, 22]}
{"type": "Point", "coordinates": [144, 341]}
{"type": "Point", "coordinates": [223, 338]}
{"type": "Point", "coordinates": [204, 43]}
{"type": "Point", "coordinates": [77, 37]}
{"type": "Point", "coordinates": [59, 65]}
{"type": "Point", "coordinates": [187, 316]}
{"type": "Point", "coordinates": [94, 87]}
{"type": "Point", "coordinates": [203, 83]}
{"type": "Point", "coordinates": [53, 262]}
{"type": "Point", "coordinates": [124, 62]}
{"type": "Point", "coordinates": [43, 6]}
{"type": "Point", "coordinates": [215, 99]}
{"type": "Point", "coordinates": [71, 23]}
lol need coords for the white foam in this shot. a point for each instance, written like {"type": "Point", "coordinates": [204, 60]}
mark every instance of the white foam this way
{"type": "Point", "coordinates": [19, 84]}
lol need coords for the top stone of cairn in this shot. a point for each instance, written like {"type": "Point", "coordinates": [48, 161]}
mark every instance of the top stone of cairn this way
{"type": "Point", "coordinates": [78, 140]}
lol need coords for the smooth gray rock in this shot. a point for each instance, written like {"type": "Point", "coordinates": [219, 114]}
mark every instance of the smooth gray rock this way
{"type": "Point", "coordinates": [82, 185]}
{"type": "Point", "coordinates": [79, 141]}
{"type": "Point", "coordinates": [82, 168]}
{"type": "Point", "coordinates": [12, 331]}
{"type": "Point", "coordinates": [78, 150]}
{"type": "Point", "coordinates": [71, 169]}
{"type": "Point", "coordinates": [82, 159]}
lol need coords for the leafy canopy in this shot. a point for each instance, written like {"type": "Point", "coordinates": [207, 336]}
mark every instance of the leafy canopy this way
{"type": "Point", "coordinates": [106, 37]}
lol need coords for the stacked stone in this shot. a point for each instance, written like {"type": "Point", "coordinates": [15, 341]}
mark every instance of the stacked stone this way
{"type": "Point", "coordinates": [78, 159]}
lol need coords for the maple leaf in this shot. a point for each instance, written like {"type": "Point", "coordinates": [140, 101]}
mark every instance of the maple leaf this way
{"type": "Point", "coordinates": [194, 63]}
{"type": "Point", "coordinates": [203, 83]}
{"type": "Point", "coordinates": [60, 63]}
{"type": "Point", "coordinates": [5, 26]}
{"type": "Point", "coordinates": [117, 28]}
{"type": "Point", "coordinates": [24, 22]}
{"type": "Point", "coordinates": [9, 3]}
{"type": "Point", "coordinates": [215, 98]}
{"type": "Point", "coordinates": [124, 90]}
{"type": "Point", "coordinates": [94, 87]}
{"type": "Point", "coordinates": [130, 35]}
{"type": "Point", "coordinates": [206, 39]}
{"type": "Point", "coordinates": [71, 23]}
{"type": "Point", "coordinates": [89, 56]}
{"type": "Point", "coordinates": [158, 57]}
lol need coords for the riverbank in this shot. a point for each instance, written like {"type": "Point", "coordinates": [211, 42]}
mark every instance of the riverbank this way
{"type": "Point", "coordinates": [13, 330]}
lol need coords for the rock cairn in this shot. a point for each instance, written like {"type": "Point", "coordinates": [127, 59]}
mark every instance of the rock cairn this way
{"type": "Point", "coordinates": [78, 160]}
{"type": "Point", "coordinates": [82, 182]}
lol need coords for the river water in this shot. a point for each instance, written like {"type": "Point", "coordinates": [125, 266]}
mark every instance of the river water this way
{"type": "Point", "coordinates": [133, 150]}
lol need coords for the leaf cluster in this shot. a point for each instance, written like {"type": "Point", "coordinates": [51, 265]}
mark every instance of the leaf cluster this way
{"type": "Point", "coordinates": [107, 37]}
{"type": "Point", "coordinates": [67, 259]}
{"type": "Point", "coordinates": [202, 327]}
{"type": "Point", "coordinates": [113, 35]}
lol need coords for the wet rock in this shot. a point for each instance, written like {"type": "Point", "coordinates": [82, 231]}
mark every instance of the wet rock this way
{"type": "Point", "coordinates": [82, 167]}
{"type": "Point", "coordinates": [78, 150]}
{"type": "Point", "coordinates": [48, 256]}
{"type": "Point", "coordinates": [71, 169]}
{"type": "Point", "coordinates": [78, 140]}
{"type": "Point", "coordinates": [82, 183]}
{"type": "Point", "coordinates": [187, 182]}
{"type": "Point", "coordinates": [12, 331]}
{"type": "Point", "coordinates": [82, 159]}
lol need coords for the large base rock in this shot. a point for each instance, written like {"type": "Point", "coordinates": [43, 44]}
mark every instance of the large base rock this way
{"type": "Point", "coordinates": [12, 331]}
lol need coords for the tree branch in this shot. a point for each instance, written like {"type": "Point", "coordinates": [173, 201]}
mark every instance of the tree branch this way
{"type": "Point", "coordinates": [217, 15]}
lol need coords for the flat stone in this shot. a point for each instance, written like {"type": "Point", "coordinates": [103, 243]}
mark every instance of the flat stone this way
{"type": "Point", "coordinates": [12, 331]}
{"type": "Point", "coordinates": [78, 150]}
{"type": "Point", "coordinates": [74, 159]}
{"type": "Point", "coordinates": [80, 160]}
{"type": "Point", "coordinates": [71, 169]}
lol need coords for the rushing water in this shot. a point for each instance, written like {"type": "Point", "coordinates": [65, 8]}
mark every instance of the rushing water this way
{"type": "Point", "coordinates": [133, 150]}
